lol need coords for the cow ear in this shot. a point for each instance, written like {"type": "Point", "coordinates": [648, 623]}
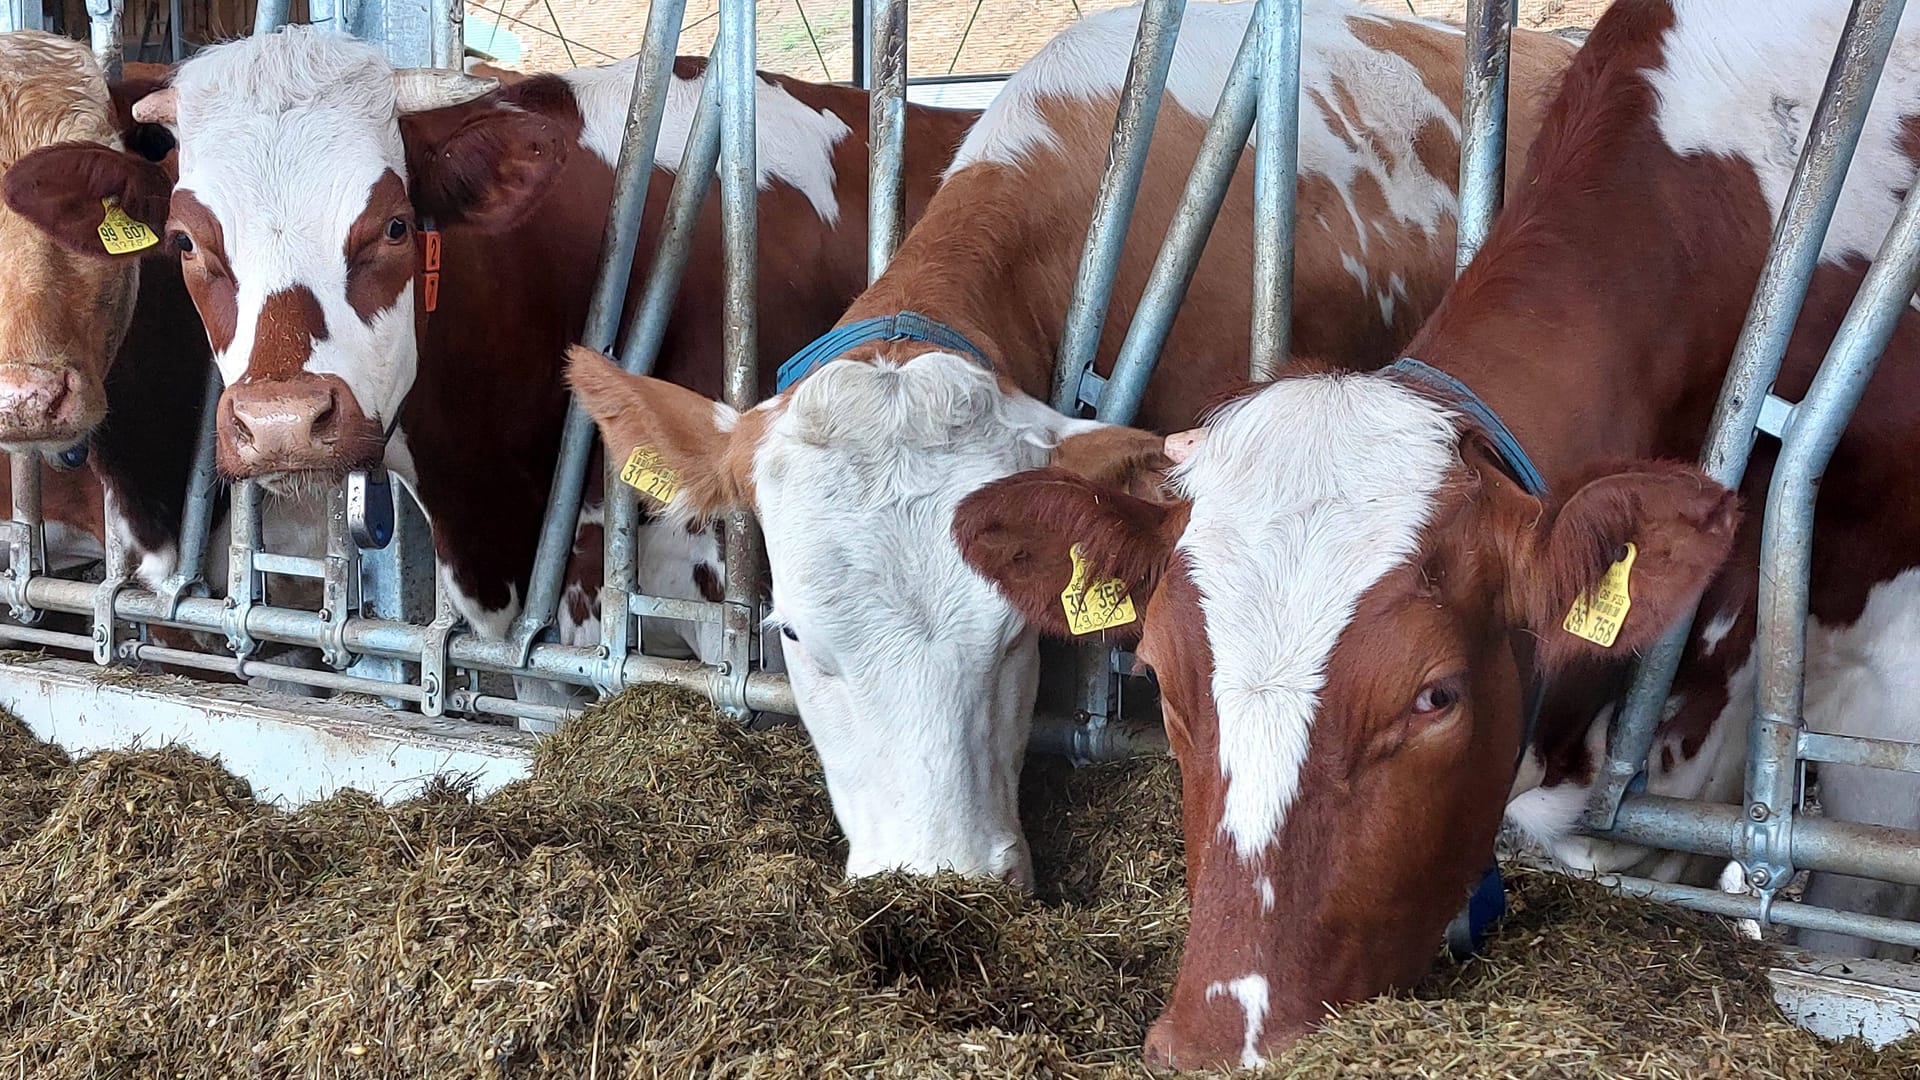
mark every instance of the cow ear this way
{"type": "Point", "coordinates": [1021, 531]}
{"type": "Point", "coordinates": [676, 444]}
{"type": "Point", "coordinates": [1634, 550]}
{"type": "Point", "coordinates": [481, 165]}
{"type": "Point", "coordinates": [62, 189]}
{"type": "Point", "coordinates": [1123, 458]}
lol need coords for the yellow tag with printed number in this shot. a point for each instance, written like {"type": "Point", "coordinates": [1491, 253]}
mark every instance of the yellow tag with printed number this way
{"type": "Point", "coordinates": [120, 234]}
{"type": "Point", "coordinates": [1094, 605]}
{"type": "Point", "coordinates": [648, 473]}
{"type": "Point", "coordinates": [1597, 615]}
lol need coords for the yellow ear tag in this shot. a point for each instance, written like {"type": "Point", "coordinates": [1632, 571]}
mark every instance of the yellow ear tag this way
{"type": "Point", "coordinates": [1597, 615]}
{"type": "Point", "coordinates": [647, 473]}
{"type": "Point", "coordinates": [1094, 605]}
{"type": "Point", "coordinates": [120, 234]}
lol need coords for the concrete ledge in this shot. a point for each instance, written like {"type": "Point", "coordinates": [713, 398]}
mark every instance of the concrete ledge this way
{"type": "Point", "coordinates": [1839, 998]}
{"type": "Point", "coordinates": [292, 750]}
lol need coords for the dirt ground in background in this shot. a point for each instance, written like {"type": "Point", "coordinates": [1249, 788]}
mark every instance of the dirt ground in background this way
{"type": "Point", "coordinates": [1534, 14]}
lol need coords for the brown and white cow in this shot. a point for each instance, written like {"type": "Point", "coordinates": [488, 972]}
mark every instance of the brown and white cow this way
{"type": "Point", "coordinates": [307, 166]}
{"type": "Point", "coordinates": [99, 359]}
{"type": "Point", "coordinates": [1350, 597]}
{"type": "Point", "coordinates": [915, 679]}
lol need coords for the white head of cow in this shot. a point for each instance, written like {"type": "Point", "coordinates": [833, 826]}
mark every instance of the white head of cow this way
{"type": "Point", "coordinates": [914, 676]}
{"type": "Point", "coordinates": [298, 237]}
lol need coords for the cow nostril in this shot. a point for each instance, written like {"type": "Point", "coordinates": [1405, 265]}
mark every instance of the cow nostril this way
{"type": "Point", "coordinates": [326, 420]}
{"type": "Point", "coordinates": [241, 432]}
{"type": "Point", "coordinates": [61, 391]}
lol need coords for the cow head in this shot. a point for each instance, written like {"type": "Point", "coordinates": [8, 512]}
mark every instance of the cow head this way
{"type": "Point", "coordinates": [915, 678]}
{"type": "Point", "coordinates": [65, 304]}
{"type": "Point", "coordinates": [1346, 611]}
{"type": "Point", "coordinates": [306, 165]}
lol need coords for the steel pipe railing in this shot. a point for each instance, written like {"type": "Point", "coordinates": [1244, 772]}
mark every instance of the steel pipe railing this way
{"type": "Point", "coordinates": [739, 216]}
{"type": "Point", "coordinates": [1786, 553]}
{"type": "Point", "coordinates": [1276, 163]}
{"type": "Point", "coordinates": [105, 34]}
{"type": "Point", "coordinates": [638, 144]}
{"type": "Point", "coordinates": [1759, 909]}
{"type": "Point", "coordinates": [1483, 124]}
{"type": "Point", "coordinates": [1213, 170]}
{"type": "Point", "coordinates": [271, 15]}
{"type": "Point", "coordinates": [196, 518]}
{"type": "Point", "coordinates": [886, 134]}
{"type": "Point", "coordinates": [1153, 47]}
{"type": "Point", "coordinates": [1798, 235]}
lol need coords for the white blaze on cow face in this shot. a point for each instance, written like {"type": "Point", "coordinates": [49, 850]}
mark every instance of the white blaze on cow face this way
{"type": "Point", "coordinates": [914, 675]}
{"type": "Point", "coordinates": [283, 138]}
{"type": "Point", "coordinates": [1283, 545]}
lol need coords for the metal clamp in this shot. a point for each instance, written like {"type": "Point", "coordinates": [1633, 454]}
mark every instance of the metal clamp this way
{"type": "Point", "coordinates": [370, 508]}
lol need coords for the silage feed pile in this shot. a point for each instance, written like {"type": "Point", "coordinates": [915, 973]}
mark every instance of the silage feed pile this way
{"type": "Point", "coordinates": [662, 899]}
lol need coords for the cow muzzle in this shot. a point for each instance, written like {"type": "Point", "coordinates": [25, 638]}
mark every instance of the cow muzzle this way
{"type": "Point", "coordinates": [48, 405]}
{"type": "Point", "coordinates": [309, 423]}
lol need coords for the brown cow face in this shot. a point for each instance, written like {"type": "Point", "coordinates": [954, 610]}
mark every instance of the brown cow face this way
{"type": "Point", "coordinates": [299, 237]}
{"type": "Point", "coordinates": [1344, 620]}
{"type": "Point", "coordinates": [64, 304]}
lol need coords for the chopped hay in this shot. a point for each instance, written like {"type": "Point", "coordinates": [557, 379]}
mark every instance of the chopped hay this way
{"type": "Point", "coordinates": [662, 899]}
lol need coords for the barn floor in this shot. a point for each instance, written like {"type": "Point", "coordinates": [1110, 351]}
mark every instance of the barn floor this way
{"type": "Point", "coordinates": [661, 898]}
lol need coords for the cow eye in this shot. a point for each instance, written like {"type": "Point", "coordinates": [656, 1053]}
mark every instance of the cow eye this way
{"type": "Point", "coordinates": [787, 632]}
{"type": "Point", "coordinates": [1435, 698]}
{"type": "Point", "coordinates": [397, 230]}
{"type": "Point", "coordinates": [182, 243]}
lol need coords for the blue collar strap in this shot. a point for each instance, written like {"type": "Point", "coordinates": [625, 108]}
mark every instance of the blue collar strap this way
{"type": "Point", "coordinates": [905, 326]}
{"type": "Point", "coordinates": [1461, 397]}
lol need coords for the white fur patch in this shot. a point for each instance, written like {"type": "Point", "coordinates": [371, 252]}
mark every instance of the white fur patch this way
{"type": "Point", "coordinates": [1716, 631]}
{"type": "Point", "coordinates": [282, 137]}
{"type": "Point", "coordinates": [1390, 102]}
{"type": "Point", "coordinates": [793, 143]}
{"type": "Point", "coordinates": [914, 675]}
{"type": "Point", "coordinates": [1251, 993]}
{"type": "Point", "coordinates": [1742, 80]}
{"type": "Point", "coordinates": [1281, 547]}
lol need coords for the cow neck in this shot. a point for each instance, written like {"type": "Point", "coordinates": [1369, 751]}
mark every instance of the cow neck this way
{"type": "Point", "coordinates": [964, 265]}
{"type": "Point", "coordinates": [1599, 326]}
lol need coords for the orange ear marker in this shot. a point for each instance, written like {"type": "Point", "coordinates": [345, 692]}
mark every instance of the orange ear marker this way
{"type": "Point", "coordinates": [430, 263]}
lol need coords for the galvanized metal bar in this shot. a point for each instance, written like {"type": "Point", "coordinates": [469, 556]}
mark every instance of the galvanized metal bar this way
{"type": "Point", "coordinates": [1206, 190]}
{"type": "Point", "coordinates": [271, 15]}
{"type": "Point", "coordinates": [739, 219]}
{"type": "Point", "coordinates": [104, 32]}
{"type": "Point", "coordinates": [326, 14]}
{"type": "Point", "coordinates": [449, 28]}
{"type": "Point", "coordinates": [647, 322]}
{"type": "Point", "coordinates": [1819, 844]}
{"type": "Point", "coordinates": [196, 517]}
{"type": "Point", "coordinates": [632, 176]}
{"type": "Point", "coordinates": [46, 639]}
{"type": "Point", "coordinates": [243, 581]}
{"type": "Point", "coordinates": [1798, 235]}
{"type": "Point", "coordinates": [1854, 750]}
{"type": "Point", "coordinates": [1786, 549]}
{"type": "Point", "coordinates": [248, 669]}
{"type": "Point", "coordinates": [305, 566]}
{"type": "Point", "coordinates": [177, 34]}
{"type": "Point", "coordinates": [1153, 48]}
{"type": "Point", "coordinates": [1734, 906]}
{"type": "Point", "coordinates": [21, 15]}
{"type": "Point", "coordinates": [645, 330]}
{"type": "Point", "coordinates": [1276, 161]}
{"type": "Point", "coordinates": [886, 134]}
{"type": "Point", "coordinates": [659, 607]}
{"type": "Point", "coordinates": [1483, 124]}
{"type": "Point", "coordinates": [27, 544]}
{"type": "Point", "coordinates": [764, 691]}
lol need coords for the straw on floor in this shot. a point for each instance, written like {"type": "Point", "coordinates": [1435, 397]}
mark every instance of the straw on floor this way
{"type": "Point", "coordinates": [662, 899]}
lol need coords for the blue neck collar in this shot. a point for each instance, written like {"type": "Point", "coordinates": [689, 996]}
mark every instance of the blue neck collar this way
{"type": "Point", "coordinates": [904, 326]}
{"type": "Point", "coordinates": [1461, 397]}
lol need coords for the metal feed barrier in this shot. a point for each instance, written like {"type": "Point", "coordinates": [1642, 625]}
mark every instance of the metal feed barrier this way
{"type": "Point", "coordinates": [407, 650]}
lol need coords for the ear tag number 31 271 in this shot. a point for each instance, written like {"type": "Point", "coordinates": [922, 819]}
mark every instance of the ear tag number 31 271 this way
{"type": "Point", "coordinates": [1092, 606]}
{"type": "Point", "coordinates": [120, 234]}
{"type": "Point", "coordinates": [1597, 615]}
{"type": "Point", "coordinates": [646, 472]}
